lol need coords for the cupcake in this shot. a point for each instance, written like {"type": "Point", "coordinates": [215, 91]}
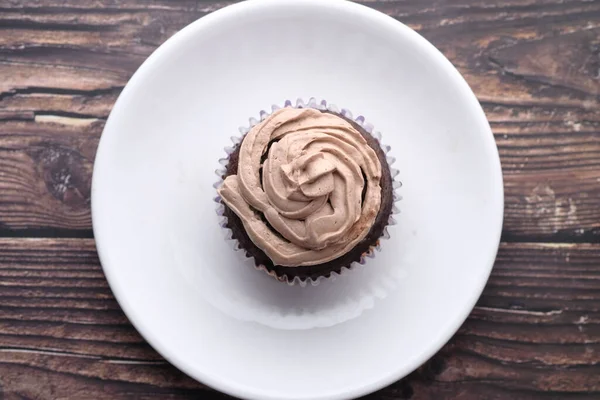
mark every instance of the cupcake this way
{"type": "Point", "coordinates": [306, 193]}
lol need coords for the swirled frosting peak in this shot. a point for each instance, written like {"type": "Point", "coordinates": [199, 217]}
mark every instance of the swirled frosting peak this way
{"type": "Point", "coordinates": [305, 171]}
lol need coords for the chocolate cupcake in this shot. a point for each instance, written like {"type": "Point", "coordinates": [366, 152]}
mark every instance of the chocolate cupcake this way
{"type": "Point", "coordinates": [306, 193]}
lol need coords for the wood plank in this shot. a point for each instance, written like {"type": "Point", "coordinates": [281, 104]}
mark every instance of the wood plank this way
{"type": "Point", "coordinates": [535, 330]}
{"type": "Point", "coordinates": [532, 64]}
{"type": "Point", "coordinates": [552, 181]}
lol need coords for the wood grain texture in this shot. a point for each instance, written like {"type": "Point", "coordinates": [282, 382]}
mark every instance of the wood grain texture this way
{"type": "Point", "coordinates": [533, 64]}
{"type": "Point", "coordinates": [535, 330]}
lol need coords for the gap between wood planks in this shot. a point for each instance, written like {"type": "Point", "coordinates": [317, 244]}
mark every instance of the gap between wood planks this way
{"type": "Point", "coordinates": [61, 233]}
{"type": "Point", "coordinates": [46, 233]}
{"type": "Point", "coordinates": [85, 356]}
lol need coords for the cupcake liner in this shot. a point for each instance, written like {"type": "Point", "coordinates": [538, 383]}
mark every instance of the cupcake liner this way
{"type": "Point", "coordinates": [320, 105]}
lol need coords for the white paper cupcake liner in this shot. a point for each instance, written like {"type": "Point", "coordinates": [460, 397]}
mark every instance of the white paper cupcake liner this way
{"type": "Point", "coordinates": [319, 105]}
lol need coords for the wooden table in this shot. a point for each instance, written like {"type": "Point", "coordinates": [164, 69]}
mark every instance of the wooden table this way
{"type": "Point", "coordinates": [535, 67]}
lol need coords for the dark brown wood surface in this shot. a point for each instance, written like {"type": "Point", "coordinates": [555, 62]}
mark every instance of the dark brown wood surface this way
{"type": "Point", "coordinates": [535, 67]}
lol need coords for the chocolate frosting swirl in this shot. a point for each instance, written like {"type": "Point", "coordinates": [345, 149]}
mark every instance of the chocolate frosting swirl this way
{"type": "Point", "coordinates": [305, 171]}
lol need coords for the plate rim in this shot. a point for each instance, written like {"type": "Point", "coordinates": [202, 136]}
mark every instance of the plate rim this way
{"type": "Point", "coordinates": [234, 388]}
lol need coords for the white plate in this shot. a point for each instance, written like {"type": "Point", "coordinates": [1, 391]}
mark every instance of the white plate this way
{"type": "Point", "coordinates": [178, 279]}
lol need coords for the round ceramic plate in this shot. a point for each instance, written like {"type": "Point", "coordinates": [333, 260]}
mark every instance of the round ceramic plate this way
{"type": "Point", "coordinates": [196, 300]}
